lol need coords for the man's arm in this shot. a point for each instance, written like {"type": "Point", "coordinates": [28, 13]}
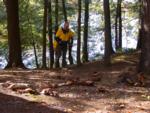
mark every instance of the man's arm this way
{"type": "Point", "coordinates": [58, 39]}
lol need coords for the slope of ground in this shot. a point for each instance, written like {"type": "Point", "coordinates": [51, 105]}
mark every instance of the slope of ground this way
{"type": "Point", "coordinates": [90, 88]}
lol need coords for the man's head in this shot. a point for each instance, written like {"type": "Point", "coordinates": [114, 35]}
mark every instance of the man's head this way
{"type": "Point", "coordinates": [66, 25]}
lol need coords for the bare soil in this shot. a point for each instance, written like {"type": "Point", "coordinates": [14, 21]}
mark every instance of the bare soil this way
{"type": "Point", "coordinates": [90, 88]}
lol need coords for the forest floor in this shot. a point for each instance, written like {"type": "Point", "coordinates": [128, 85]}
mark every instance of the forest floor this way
{"type": "Point", "coordinates": [90, 88]}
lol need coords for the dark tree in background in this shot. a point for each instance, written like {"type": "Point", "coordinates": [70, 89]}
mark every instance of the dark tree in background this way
{"type": "Point", "coordinates": [120, 23]}
{"type": "Point", "coordinates": [51, 49]}
{"type": "Point", "coordinates": [79, 33]}
{"type": "Point", "coordinates": [15, 57]}
{"type": "Point", "coordinates": [56, 15]}
{"type": "Point", "coordinates": [139, 43]}
{"type": "Point", "coordinates": [144, 65]}
{"type": "Point", "coordinates": [85, 38]}
{"type": "Point", "coordinates": [44, 34]}
{"type": "Point", "coordinates": [118, 26]}
{"type": "Point", "coordinates": [64, 10]}
{"type": "Point", "coordinates": [108, 44]}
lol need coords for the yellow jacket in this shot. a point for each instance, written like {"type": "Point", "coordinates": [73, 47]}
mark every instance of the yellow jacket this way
{"type": "Point", "coordinates": [64, 36]}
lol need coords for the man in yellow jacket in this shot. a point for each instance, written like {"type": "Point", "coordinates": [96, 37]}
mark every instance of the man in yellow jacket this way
{"type": "Point", "coordinates": [63, 36]}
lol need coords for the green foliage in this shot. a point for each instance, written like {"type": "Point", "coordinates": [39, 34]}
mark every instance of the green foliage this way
{"type": "Point", "coordinates": [31, 16]}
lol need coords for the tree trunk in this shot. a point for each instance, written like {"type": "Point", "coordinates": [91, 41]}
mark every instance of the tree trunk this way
{"type": "Point", "coordinates": [32, 37]}
{"type": "Point", "coordinates": [85, 40]}
{"type": "Point", "coordinates": [107, 57]}
{"type": "Point", "coordinates": [44, 34]}
{"type": "Point", "coordinates": [70, 51]}
{"type": "Point", "coordinates": [79, 33]}
{"type": "Point", "coordinates": [51, 49]}
{"type": "Point", "coordinates": [35, 52]}
{"type": "Point", "coordinates": [14, 43]}
{"type": "Point", "coordinates": [139, 43]}
{"type": "Point", "coordinates": [64, 10]}
{"type": "Point", "coordinates": [56, 15]}
{"type": "Point", "coordinates": [118, 26]}
{"type": "Point", "coordinates": [116, 30]}
{"type": "Point", "coordinates": [144, 65]}
{"type": "Point", "coordinates": [33, 44]}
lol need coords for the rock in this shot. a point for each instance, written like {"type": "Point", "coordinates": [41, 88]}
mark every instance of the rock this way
{"type": "Point", "coordinates": [6, 84]}
{"type": "Point", "coordinates": [46, 91]}
{"type": "Point", "coordinates": [102, 90]}
{"type": "Point", "coordinates": [96, 79]}
{"type": "Point", "coordinates": [49, 92]}
{"type": "Point", "coordinates": [18, 86]}
{"type": "Point", "coordinates": [28, 90]}
{"type": "Point", "coordinates": [86, 83]}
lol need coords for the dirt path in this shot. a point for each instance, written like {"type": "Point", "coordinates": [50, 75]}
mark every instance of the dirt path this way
{"type": "Point", "coordinates": [91, 88]}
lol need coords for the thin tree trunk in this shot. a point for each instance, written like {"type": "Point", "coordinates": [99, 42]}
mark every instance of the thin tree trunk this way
{"type": "Point", "coordinates": [34, 45]}
{"type": "Point", "coordinates": [139, 44]}
{"type": "Point", "coordinates": [64, 10]}
{"type": "Point", "coordinates": [116, 30]}
{"type": "Point", "coordinates": [35, 52]}
{"type": "Point", "coordinates": [70, 51]}
{"type": "Point", "coordinates": [85, 40]}
{"type": "Point", "coordinates": [120, 24]}
{"type": "Point", "coordinates": [14, 42]}
{"type": "Point", "coordinates": [51, 49]}
{"type": "Point", "coordinates": [56, 15]}
{"type": "Point", "coordinates": [33, 41]}
{"type": "Point", "coordinates": [107, 57]}
{"type": "Point", "coordinates": [79, 33]}
{"type": "Point", "coordinates": [44, 34]}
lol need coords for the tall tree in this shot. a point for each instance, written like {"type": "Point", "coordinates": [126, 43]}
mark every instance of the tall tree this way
{"type": "Point", "coordinates": [44, 34]}
{"type": "Point", "coordinates": [64, 10]}
{"type": "Point", "coordinates": [79, 33]}
{"type": "Point", "coordinates": [15, 58]}
{"type": "Point", "coordinates": [85, 38]}
{"type": "Point", "coordinates": [51, 49]}
{"type": "Point", "coordinates": [108, 50]}
{"type": "Point", "coordinates": [139, 43]}
{"type": "Point", "coordinates": [56, 15]}
{"type": "Point", "coordinates": [144, 65]}
{"type": "Point", "coordinates": [118, 25]}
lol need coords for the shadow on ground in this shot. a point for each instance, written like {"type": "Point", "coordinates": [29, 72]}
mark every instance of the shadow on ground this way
{"type": "Point", "coordinates": [12, 104]}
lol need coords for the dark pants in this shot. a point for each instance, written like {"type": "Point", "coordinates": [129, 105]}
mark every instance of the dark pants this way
{"type": "Point", "coordinates": [61, 50]}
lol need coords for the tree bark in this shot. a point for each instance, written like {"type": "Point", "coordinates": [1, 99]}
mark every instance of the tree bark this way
{"type": "Point", "coordinates": [85, 38]}
{"type": "Point", "coordinates": [139, 43]}
{"type": "Point", "coordinates": [107, 56]}
{"type": "Point", "coordinates": [118, 26]}
{"type": "Point", "coordinates": [79, 33]}
{"type": "Point", "coordinates": [14, 42]}
{"type": "Point", "coordinates": [56, 15]}
{"type": "Point", "coordinates": [64, 10]}
{"type": "Point", "coordinates": [116, 30]}
{"type": "Point", "coordinates": [144, 65]}
{"type": "Point", "coordinates": [44, 35]}
{"type": "Point", "coordinates": [51, 49]}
